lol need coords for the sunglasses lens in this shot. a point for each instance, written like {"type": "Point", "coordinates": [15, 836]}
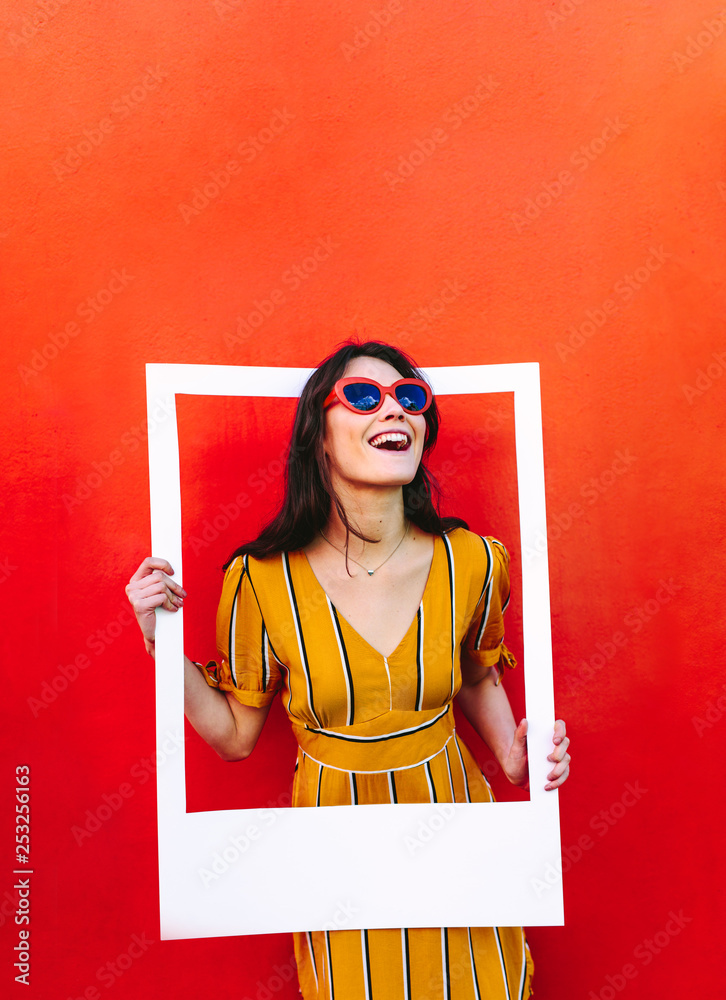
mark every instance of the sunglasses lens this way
{"type": "Point", "coordinates": [411, 397]}
{"type": "Point", "coordinates": [362, 396]}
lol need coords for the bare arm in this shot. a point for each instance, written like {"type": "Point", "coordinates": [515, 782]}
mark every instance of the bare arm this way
{"type": "Point", "coordinates": [228, 727]}
{"type": "Point", "coordinates": [486, 705]}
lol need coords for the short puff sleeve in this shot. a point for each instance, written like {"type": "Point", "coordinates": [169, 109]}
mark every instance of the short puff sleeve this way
{"type": "Point", "coordinates": [247, 663]}
{"type": "Point", "coordinates": [483, 644]}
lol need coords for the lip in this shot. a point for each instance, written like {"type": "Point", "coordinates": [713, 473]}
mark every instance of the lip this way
{"type": "Point", "coordinates": [392, 451]}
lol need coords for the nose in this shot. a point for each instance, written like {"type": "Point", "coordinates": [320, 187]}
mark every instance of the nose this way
{"type": "Point", "coordinates": [392, 408]}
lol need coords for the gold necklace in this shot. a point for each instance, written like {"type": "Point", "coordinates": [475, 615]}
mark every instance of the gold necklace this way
{"type": "Point", "coordinates": [370, 572]}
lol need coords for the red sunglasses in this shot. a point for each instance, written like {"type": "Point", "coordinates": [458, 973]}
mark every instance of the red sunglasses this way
{"type": "Point", "coordinates": [365, 395]}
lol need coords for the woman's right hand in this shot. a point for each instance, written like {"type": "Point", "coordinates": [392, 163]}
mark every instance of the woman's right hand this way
{"type": "Point", "coordinates": [152, 587]}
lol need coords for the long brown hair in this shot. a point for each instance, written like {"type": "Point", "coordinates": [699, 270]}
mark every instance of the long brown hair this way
{"type": "Point", "coordinates": [309, 492]}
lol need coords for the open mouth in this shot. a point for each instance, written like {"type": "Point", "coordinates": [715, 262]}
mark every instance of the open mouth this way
{"type": "Point", "coordinates": [391, 441]}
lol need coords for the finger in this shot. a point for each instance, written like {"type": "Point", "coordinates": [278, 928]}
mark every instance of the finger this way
{"type": "Point", "coordinates": [560, 730]}
{"type": "Point", "coordinates": [558, 781]}
{"type": "Point", "coordinates": [157, 576]}
{"type": "Point", "coordinates": [156, 595]}
{"type": "Point", "coordinates": [559, 769]}
{"type": "Point", "coordinates": [519, 741]}
{"type": "Point", "coordinates": [156, 582]}
{"type": "Point", "coordinates": [160, 600]}
{"type": "Point", "coordinates": [559, 752]}
{"type": "Point", "coordinates": [151, 563]}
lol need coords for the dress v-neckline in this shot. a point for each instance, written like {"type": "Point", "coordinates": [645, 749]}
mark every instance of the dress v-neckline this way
{"type": "Point", "coordinates": [384, 656]}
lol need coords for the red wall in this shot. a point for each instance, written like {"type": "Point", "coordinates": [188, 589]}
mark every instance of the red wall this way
{"type": "Point", "coordinates": [482, 184]}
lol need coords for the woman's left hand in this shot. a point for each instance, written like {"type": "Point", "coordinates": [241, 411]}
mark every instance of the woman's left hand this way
{"type": "Point", "coordinates": [559, 757]}
{"type": "Point", "coordinates": [516, 767]}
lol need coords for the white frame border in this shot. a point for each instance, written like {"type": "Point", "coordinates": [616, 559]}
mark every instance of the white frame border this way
{"type": "Point", "coordinates": [274, 870]}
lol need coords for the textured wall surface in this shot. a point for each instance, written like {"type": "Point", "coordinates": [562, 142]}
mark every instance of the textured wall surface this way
{"type": "Point", "coordinates": [251, 183]}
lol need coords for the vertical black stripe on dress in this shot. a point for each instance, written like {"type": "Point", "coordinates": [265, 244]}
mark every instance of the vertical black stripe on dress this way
{"type": "Point", "coordinates": [473, 966]}
{"type": "Point", "coordinates": [503, 963]}
{"type": "Point", "coordinates": [451, 779]}
{"type": "Point", "coordinates": [452, 598]}
{"type": "Point", "coordinates": [523, 978]}
{"type": "Point", "coordinates": [463, 770]}
{"type": "Point", "coordinates": [232, 628]}
{"type": "Point", "coordinates": [265, 660]}
{"type": "Point", "coordinates": [301, 638]}
{"type": "Point", "coordinates": [406, 964]}
{"type": "Point", "coordinates": [488, 585]}
{"type": "Point", "coordinates": [445, 956]}
{"type": "Point", "coordinates": [330, 966]}
{"type": "Point", "coordinates": [309, 939]}
{"type": "Point", "coordinates": [430, 780]}
{"type": "Point", "coordinates": [346, 663]}
{"type": "Point", "coordinates": [419, 658]}
{"type": "Point", "coordinates": [366, 964]}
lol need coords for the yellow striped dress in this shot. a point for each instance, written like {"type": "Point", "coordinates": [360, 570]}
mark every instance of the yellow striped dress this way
{"type": "Point", "coordinates": [374, 729]}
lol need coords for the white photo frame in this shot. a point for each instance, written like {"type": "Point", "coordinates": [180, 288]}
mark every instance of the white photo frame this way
{"type": "Point", "coordinates": [350, 867]}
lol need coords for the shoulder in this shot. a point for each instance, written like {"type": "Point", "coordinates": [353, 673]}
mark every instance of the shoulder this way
{"type": "Point", "coordinates": [246, 569]}
{"type": "Point", "coordinates": [478, 547]}
{"type": "Point", "coordinates": [480, 560]}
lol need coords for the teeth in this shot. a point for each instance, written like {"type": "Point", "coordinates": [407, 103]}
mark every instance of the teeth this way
{"type": "Point", "coordinates": [397, 438]}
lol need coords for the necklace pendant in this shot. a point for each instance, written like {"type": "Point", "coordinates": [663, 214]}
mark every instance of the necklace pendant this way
{"type": "Point", "coordinates": [370, 572]}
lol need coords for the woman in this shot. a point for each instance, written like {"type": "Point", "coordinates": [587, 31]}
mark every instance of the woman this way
{"type": "Point", "coordinates": [370, 613]}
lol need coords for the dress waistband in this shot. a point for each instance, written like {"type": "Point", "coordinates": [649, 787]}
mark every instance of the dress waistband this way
{"type": "Point", "coordinates": [388, 743]}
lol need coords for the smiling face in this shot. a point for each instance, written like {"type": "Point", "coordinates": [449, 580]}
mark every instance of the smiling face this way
{"type": "Point", "coordinates": [373, 449]}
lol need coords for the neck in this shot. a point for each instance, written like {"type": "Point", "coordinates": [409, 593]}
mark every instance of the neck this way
{"type": "Point", "coordinates": [377, 514]}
